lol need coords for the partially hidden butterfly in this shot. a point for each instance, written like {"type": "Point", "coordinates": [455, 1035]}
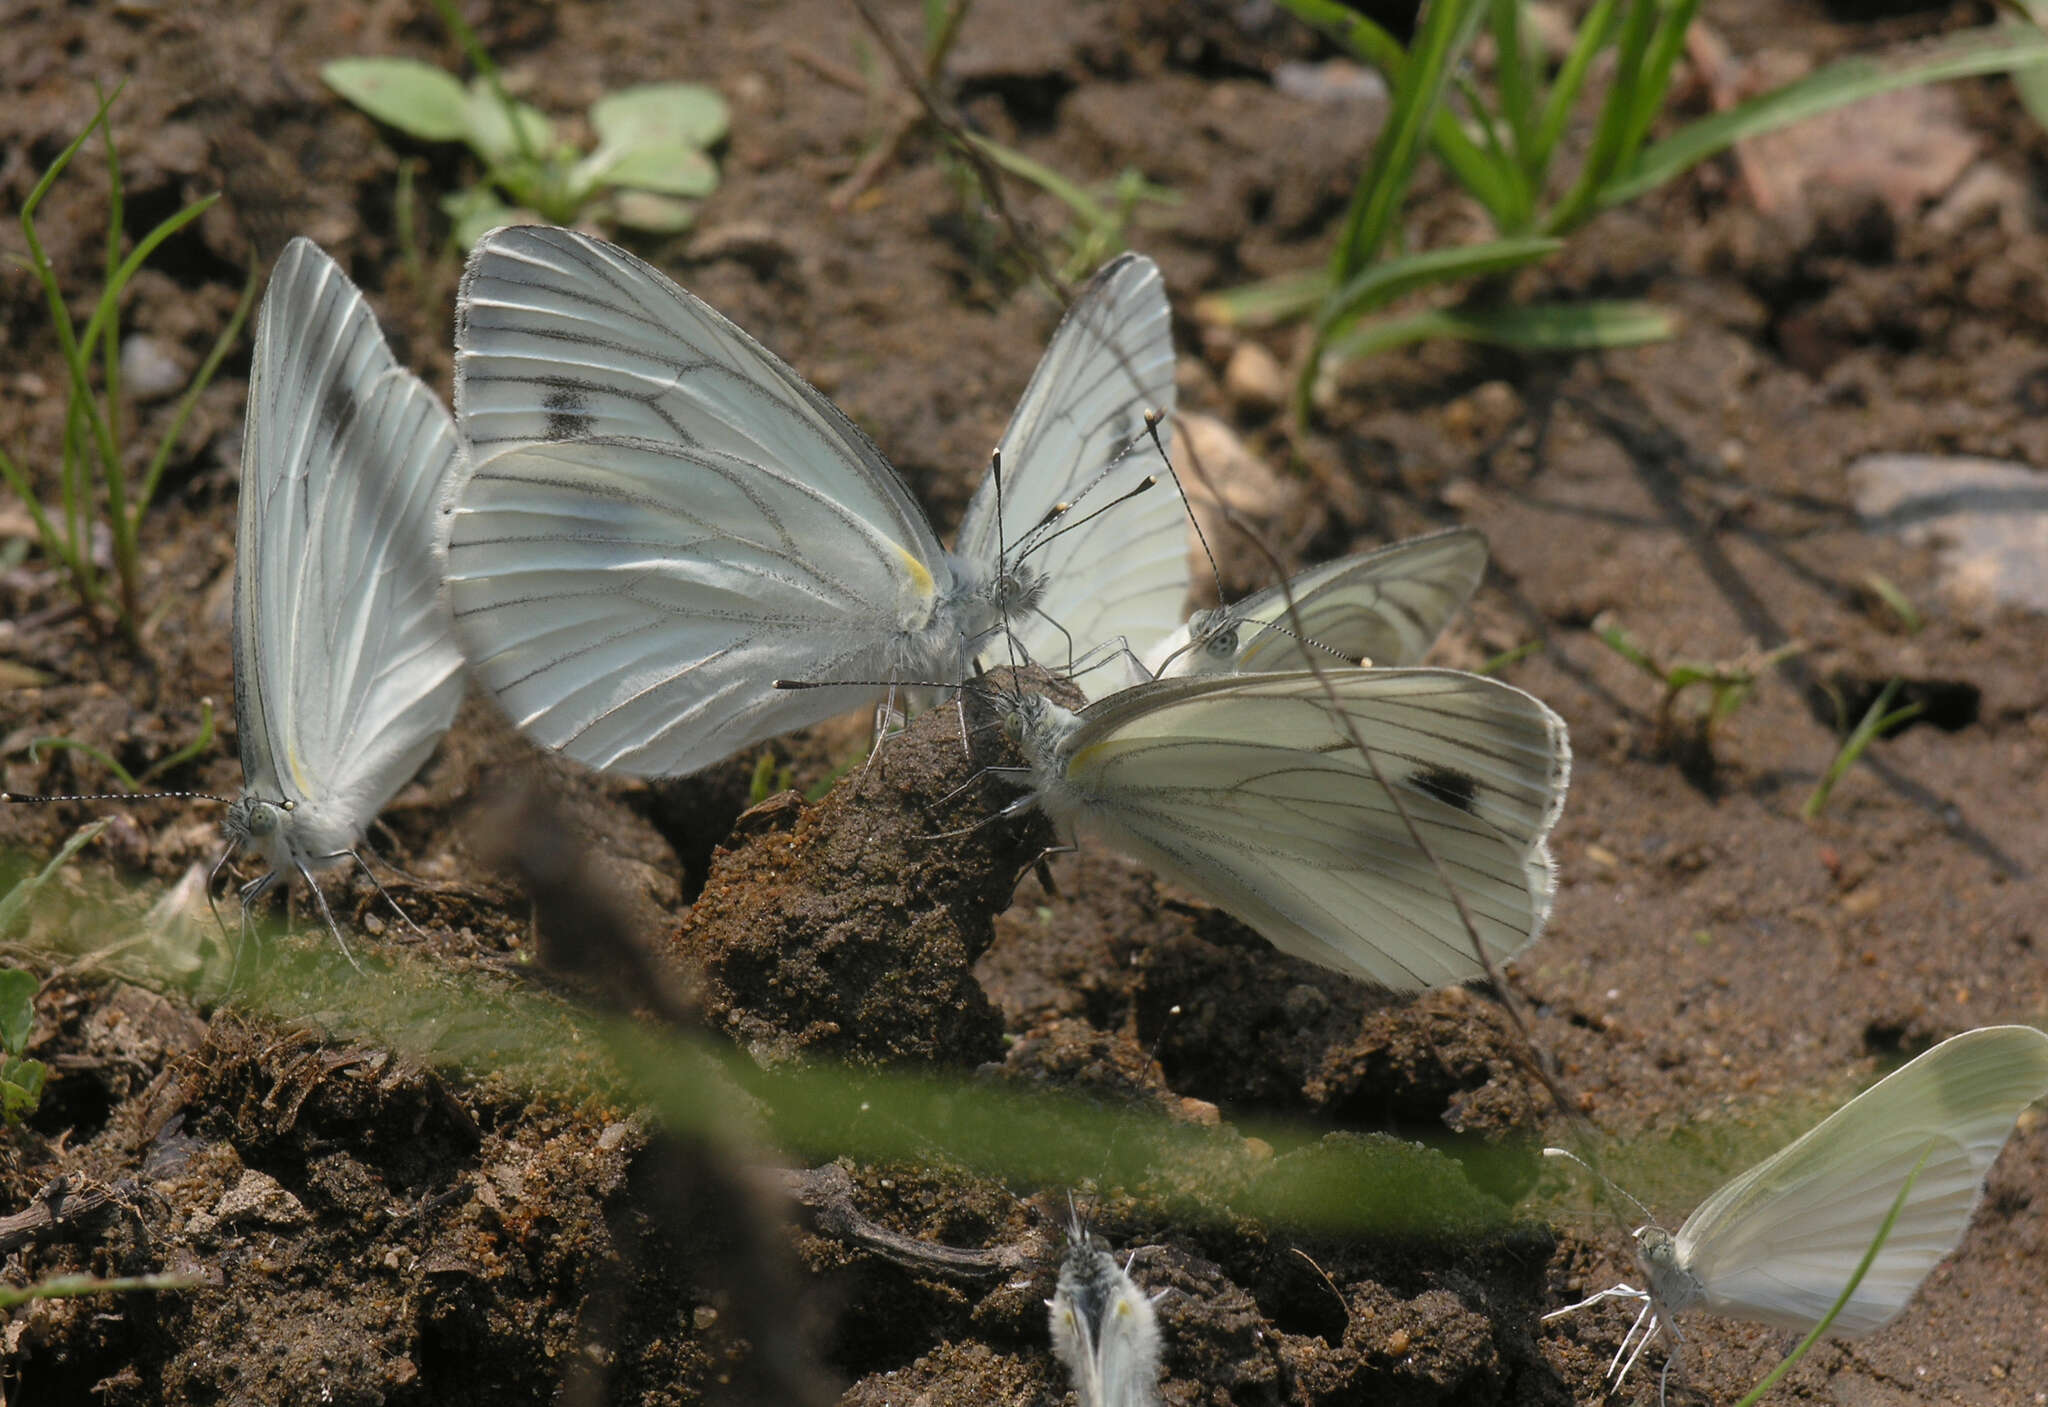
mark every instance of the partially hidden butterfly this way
{"type": "Point", "coordinates": [1383, 608]}
{"type": "Point", "coordinates": [346, 674]}
{"type": "Point", "coordinates": [1104, 1328]}
{"type": "Point", "coordinates": [661, 518]}
{"type": "Point", "coordinates": [1779, 1243]}
{"type": "Point", "coordinates": [1252, 791]}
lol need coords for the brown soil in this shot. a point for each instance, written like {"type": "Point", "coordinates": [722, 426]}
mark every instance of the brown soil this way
{"type": "Point", "coordinates": [428, 1183]}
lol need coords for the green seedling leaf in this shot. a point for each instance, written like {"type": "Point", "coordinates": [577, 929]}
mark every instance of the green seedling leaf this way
{"type": "Point", "coordinates": [1875, 723]}
{"type": "Point", "coordinates": [14, 903]}
{"type": "Point", "coordinates": [17, 1008]}
{"type": "Point", "coordinates": [659, 114]}
{"type": "Point", "coordinates": [21, 1088]}
{"type": "Point", "coordinates": [670, 168]}
{"type": "Point", "coordinates": [656, 214]}
{"type": "Point", "coordinates": [474, 211]}
{"type": "Point", "coordinates": [1897, 601]}
{"type": "Point", "coordinates": [490, 128]}
{"type": "Point", "coordinates": [417, 98]}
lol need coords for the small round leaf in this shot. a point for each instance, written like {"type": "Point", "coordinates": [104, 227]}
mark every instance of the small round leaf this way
{"type": "Point", "coordinates": [416, 98]}
{"type": "Point", "coordinates": [688, 113]}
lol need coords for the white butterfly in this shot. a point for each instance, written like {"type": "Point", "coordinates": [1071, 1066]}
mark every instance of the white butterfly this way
{"type": "Point", "coordinates": [1250, 790]}
{"type": "Point", "coordinates": [346, 675]}
{"type": "Point", "coordinates": [1104, 1328]}
{"type": "Point", "coordinates": [1779, 1243]}
{"type": "Point", "coordinates": [662, 518]}
{"type": "Point", "coordinates": [1384, 608]}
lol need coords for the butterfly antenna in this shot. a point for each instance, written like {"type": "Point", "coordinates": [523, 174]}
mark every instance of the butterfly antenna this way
{"type": "Point", "coordinates": [17, 799]}
{"type": "Point", "coordinates": [1609, 1183]}
{"type": "Point", "coordinates": [864, 684]}
{"type": "Point", "coordinates": [1152, 419]}
{"type": "Point", "coordinates": [1059, 510]}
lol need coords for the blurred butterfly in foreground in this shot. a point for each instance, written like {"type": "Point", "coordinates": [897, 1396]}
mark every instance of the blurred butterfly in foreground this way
{"type": "Point", "coordinates": [661, 518]}
{"type": "Point", "coordinates": [346, 675]}
{"type": "Point", "coordinates": [1779, 1243]}
{"type": "Point", "coordinates": [1103, 1327]}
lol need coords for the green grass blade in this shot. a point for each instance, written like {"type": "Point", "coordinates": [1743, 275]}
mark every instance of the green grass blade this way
{"type": "Point", "coordinates": [451, 16]}
{"type": "Point", "coordinates": [1090, 211]}
{"type": "Point", "coordinates": [201, 379]}
{"type": "Point", "coordinates": [185, 754]}
{"type": "Point", "coordinates": [53, 542]}
{"type": "Point", "coordinates": [1873, 725]}
{"type": "Point", "coordinates": [1447, 32]}
{"type": "Point", "coordinates": [1539, 327]}
{"type": "Point", "coordinates": [1593, 34]}
{"type": "Point", "coordinates": [77, 351]}
{"type": "Point", "coordinates": [1267, 302]}
{"type": "Point", "coordinates": [1391, 278]}
{"type": "Point", "coordinates": [1662, 59]}
{"type": "Point", "coordinates": [97, 754]}
{"type": "Point", "coordinates": [1373, 46]}
{"type": "Point", "coordinates": [1991, 49]}
{"type": "Point", "coordinates": [110, 358]}
{"type": "Point", "coordinates": [14, 903]}
{"type": "Point", "coordinates": [72, 1286]}
{"type": "Point", "coordinates": [1515, 76]}
{"type": "Point", "coordinates": [1617, 113]}
{"type": "Point", "coordinates": [1862, 1269]}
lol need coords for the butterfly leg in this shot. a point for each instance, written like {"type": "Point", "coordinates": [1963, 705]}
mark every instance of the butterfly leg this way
{"type": "Point", "coordinates": [248, 894]}
{"type": "Point", "coordinates": [1022, 803]}
{"type": "Point", "coordinates": [1043, 871]}
{"type": "Point", "coordinates": [211, 876]}
{"type": "Point", "coordinates": [325, 912]}
{"type": "Point", "coordinates": [1616, 1292]}
{"type": "Point", "coordinates": [1649, 1331]}
{"type": "Point", "coordinates": [371, 875]}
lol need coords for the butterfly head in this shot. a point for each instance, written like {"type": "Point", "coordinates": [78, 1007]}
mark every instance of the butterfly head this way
{"type": "Point", "coordinates": [1215, 635]}
{"type": "Point", "coordinates": [1671, 1284]}
{"type": "Point", "coordinates": [262, 826]}
{"type": "Point", "coordinates": [1017, 590]}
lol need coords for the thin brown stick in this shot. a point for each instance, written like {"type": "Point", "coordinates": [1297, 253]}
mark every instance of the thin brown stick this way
{"type": "Point", "coordinates": [944, 117]}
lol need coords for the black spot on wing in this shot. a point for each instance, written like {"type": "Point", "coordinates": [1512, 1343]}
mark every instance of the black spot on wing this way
{"type": "Point", "coordinates": [568, 411]}
{"type": "Point", "coordinates": [337, 407]}
{"type": "Point", "coordinates": [1448, 785]}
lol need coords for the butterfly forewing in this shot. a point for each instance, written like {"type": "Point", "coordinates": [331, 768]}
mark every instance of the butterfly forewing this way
{"type": "Point", "coordinates": [1125, 572]}
{"type": "Point", "coordinates": [560, 337]}
{"type": "Point", "coordinates": [664, 519]}
{"type": "Point", "coordinates": [345, 672]}
{"type": "Point", "coordinates": [1250, 790]}
{"type": "Point", "coordinates": [1779, 1242]}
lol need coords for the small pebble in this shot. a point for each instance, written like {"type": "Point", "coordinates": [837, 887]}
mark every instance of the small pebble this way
{"type": "Point", "coordinates": [150, 369]}
{"type": "Point", "coordinates": [1254, 380]}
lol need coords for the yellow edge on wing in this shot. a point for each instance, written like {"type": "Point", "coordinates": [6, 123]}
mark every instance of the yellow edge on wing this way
{"type": "Point", "coordinates": [920, 575]}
